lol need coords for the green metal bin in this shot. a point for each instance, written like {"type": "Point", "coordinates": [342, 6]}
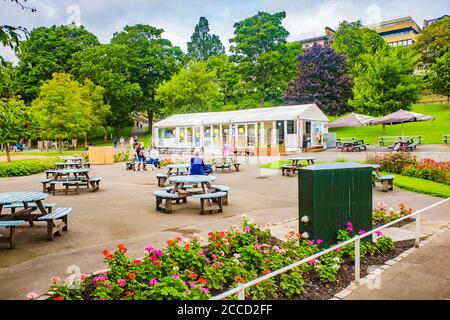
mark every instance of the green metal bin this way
{"type": "Point", "coordinates": [331, 195]}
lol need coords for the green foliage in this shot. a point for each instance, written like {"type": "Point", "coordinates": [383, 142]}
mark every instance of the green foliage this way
{"type": "Point", "coordinates": [25, 167]}
{"type": "Point", "coordinates": [6, 80]}
{"type": "Point", "coordinates": [226, 75]}
{"type": "Point", "coordinates": [193, 89]}
{"type": "Point", "coordinates": [122, 156]}
{"type": "Point", "coordinates": [108, 67]}
{"type": "Point", "coordinates": [328, 267]}
{"type": "Point", "coordinates": [381, 215]}
{"type": "Point", "coordinates": [66, 109]}
{"type": "Point", "coordinates": [429, 169]}
{"type": "Point", "coordinates": [433, 43]}
{"type": "Point", "coordinates": [422, 186]}
{"type": "Point", "coordinates": [266, 61]}
{"type": "Point", "coordinates": [47, 50]}
{"type": "Point", "coordinates": [292, 283]}
{"type": "Point", "coordinates": [354, 40]}
{"type": "Point", "coordinates": [385, 82]}
{"type": "Point", "coordinates": [204, 45]}
{"type": "Point", "coordinates": [439, 76]}
{"type": "Point", "coordinates": [392, 162]}
{"type": "Point", "coordinates": [384, 244]}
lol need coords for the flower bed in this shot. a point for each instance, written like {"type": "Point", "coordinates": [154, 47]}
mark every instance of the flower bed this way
{"type": "Point", "coordinates": [186, 270]}
{"type": "Point", "coordinates": [381, 215]}
{"type": "Point", "coordinates": [429, 169]}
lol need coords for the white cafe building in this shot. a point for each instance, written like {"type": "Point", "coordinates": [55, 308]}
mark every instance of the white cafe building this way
{"type": "Point", "coordinates": [293, 126]}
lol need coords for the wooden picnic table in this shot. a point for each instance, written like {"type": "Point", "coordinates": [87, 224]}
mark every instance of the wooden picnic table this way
{"type": "Point", "coordinates": [26, 198]}
{"type": "Point", "coordinates": [180, 181]}
{"type": "Point", "coordinates": [178, 169]}
{"type": "Point", "coordinates": [289, 170]}
{"type": "Point", "coordinates": [72, 159]}
{"type": "Point", "coordinates": [72, 165]}
{"type": "Point", "coordinates": [59, 173]}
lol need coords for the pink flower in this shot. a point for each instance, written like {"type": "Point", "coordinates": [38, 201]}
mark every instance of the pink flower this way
{"type": "Point", "coordinates": [205, 290]}
{"type": "Point", "coordinates": [319, 241]}
{"type": "Point", "coordinates": [153, 257]}
{"type": "Point", "coordinates": [247, 229]}
{"type": "Point", "coordinates": [237, 255]}
{"type": "Point", "coordinates": [337, 249]}
{"type": "Point", "coordinates": [122, 282]}
{"type": "Point", "coordinates": [158, 253]}
{"type": "Point", "coordinates": [149, 249]}
{"type": "Point", "coordinates": [201, 253]}
{"type": "Point", "coordinates": [214, 256]}
{"type": "Point", "coordinates": [378, 233]}
{"type": "Point", "coordinates": [175, 276]}
{"type": "Point", "coordinates": [310, 242]}
{"type": "Point", "coordinates": [55, 280]}
{"type": "Point", "coordinates": [107, 285]}
{"type": "Point", "coordinates": [152, 282]}
{"type": "Point", "coordinates": [192, 285]}
{"type": "Point", "coordinates": [361, 232]}
{"type": "Point", "coordinates": [349, 226]}
{"type": "Point", "coordinates": [313, 261]}
{"type": "Point", "coordinates": [32, 295]}
{"type": "Point", "coordinates": [266, 251]}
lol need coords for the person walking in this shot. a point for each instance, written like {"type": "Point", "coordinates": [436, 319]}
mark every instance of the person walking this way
{"type": "Point", "coordinates": [122, 141]}
{"type": "Point", "coordinates": [140, 157]}
{"type": "Point", "coordinates": [115, 141]}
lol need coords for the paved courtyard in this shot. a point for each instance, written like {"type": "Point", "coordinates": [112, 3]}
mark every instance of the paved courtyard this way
{"type": "Point", "coordinates": [124, 212]}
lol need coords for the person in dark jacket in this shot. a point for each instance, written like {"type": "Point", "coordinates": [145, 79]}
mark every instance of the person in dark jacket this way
{"type": "Point", "coordinates": [198, 166]}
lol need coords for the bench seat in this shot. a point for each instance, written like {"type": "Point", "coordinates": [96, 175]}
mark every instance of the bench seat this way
{"type": "Point", "coordinates": [33, 205]}
{"type": "Point", "coordinates": [67, 184]}
{"type": "Point", "coordinates": [11, 239]}
{"type": "Point", "coordinates": [225, 189]}
{"type": "Point", "coordinates": [53, 227]}
{"type": "Point", "coordinates": [162, 195]}
{"type": "Point", "coordinates": [210, 201]}
{"type": "Point", "coordinates": [387, 182]}
{"type": "Point", "coordinates": [130, 165]}
{"type": "Point", "coordinates": [162, 178]}
{"type": "Point", "coordinates": [95, 183]}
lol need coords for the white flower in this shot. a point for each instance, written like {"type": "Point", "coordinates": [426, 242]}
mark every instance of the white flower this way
{"type": "Point", "coordinates": [175, 268]}
{"type": "Point", "coordinates": [186, 240]}
{"type": "Point", "coordinates": [336, 259]}
{"type": "Point", "coordinates": [195, 236]}
{"type": "Point", "coordinates": [305, 235]}
{"type": "Point", "coordinates": [335, 266]}
{"type": "Point", "coordinates": [237, 255]}
{"type": "Point", "coordinates": [244, 216]}
{"type": "Point", "coordinates": [304, 219]}
{"type": "Point", "coordinates": [32, 295]}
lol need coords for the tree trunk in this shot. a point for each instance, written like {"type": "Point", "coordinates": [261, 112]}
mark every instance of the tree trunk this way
{"type": "Point", "coordinates": [8, 156]}
{"type": "Point", "coordinates": [59, 145]}
{"type": "Point", "coordinates": [150, 120]}
{"type": "Point", "coordinates": [105, 137]}
{"type": "Point", "coordinates": [261, 101]}
{"type": "Point", "coordinates": [225, 100]}
{"type": "Point", "coordinates": [85, 141]}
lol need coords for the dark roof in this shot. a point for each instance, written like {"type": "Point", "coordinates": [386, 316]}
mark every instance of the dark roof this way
{"type": "Point", "coordinates": [314, 39]}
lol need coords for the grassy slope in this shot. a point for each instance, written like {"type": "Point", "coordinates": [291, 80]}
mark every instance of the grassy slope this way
{"type": "Point", "coordinates": [421, 186]}
{"type": "Point", "coordinates": [431, 131]}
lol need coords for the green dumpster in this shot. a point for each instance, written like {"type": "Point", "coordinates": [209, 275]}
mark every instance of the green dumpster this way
{"type": "Point", "coordinates": [331, 195]}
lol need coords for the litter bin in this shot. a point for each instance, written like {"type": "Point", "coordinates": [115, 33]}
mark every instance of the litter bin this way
{"type": "Point", "coordinates": [331, 195]}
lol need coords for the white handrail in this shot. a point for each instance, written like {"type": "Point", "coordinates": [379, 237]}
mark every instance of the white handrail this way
{"type": "Point", "coordinates": [240, 290]}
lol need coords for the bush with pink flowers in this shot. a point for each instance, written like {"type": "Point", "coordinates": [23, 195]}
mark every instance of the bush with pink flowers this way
{"type": "Point", "coordinates": [429, 169]}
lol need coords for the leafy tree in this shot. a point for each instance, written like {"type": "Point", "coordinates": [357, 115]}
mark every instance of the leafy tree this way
{"type": "Point", "coordinates": [204, 45]}
{"type": "Point", "coordinates": [108, 66]}
{"type": "Point", "coordinates": [66, 109]}
{"type": "Point", "coordinates": [6, 80]}
{"type": "Point", "coordinates": [439, 76]}
{"type": "Point", "coordinates": [47, 50]}
{"type": "Point", "coordinates": [323, 78]}
{"type": "Point", "coordinates": [193, 89]}
{"type": "Point", "coordinates": [152, 60]}
{"type": "Point", "coordinates": [226, 74]}
{"type": "Point", "coordinates": [385, 82]}
{"type": "Point", "coordinates": [266, 61]}
{"type": "Point", "coordinates": [433, 43]}
{"type": "Point", "coordinates": [353, 40]}
{"type": "Point", "coordinates": [14, 121]}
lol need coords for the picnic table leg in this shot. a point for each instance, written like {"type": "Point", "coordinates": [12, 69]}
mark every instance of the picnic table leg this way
{"type": "Point", "coordinates": [12, 237]}
{"type": "Point", "coordinates": [30, 221]}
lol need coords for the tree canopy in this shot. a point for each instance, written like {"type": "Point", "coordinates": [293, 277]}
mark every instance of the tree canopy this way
{"type": "Point", "coordinates": [353, 40]}
{"type": "Point", "coordinates": [323, 78]}
{"type": "Point", "coordinates": [439, 76]}
{"type": "Point", "coordinates": [385, 82]}
{"type": "Point", "coordinates": [204, 45]}
{"type": "Point", "coordinates": [266, 61]}
{"type": "Point", "coordinates": [46, 51]}
{"type": "Point", "coordinates": [193, 89]}
{"type": "Point", "coordinates": [108, 66]}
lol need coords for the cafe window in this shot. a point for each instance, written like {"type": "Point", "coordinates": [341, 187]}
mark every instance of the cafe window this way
{"type": "Point", "coordinates": [291, 127]}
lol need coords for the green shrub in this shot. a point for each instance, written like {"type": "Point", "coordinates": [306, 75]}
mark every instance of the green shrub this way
{"type": "Point", "coordinates": [26, 167]}
{"type": "Point", "coordinates": [392, 162]}
{"type": "Point", "coordinates": [429, 169]}
{"type": "Point", "coordinates": [122, 156]}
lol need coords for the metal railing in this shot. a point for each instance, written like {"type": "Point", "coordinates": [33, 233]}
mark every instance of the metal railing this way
{"type": "Point", "coordinates": [240, 290]}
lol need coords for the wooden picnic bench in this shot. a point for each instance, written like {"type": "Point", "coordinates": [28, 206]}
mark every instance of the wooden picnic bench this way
{"type": "Point", "coordinates": [210, 201]}
{"type": "Point", "coordinates": [387, 181]}
{"type": "Point", "coordinates": [52, 226]}
{"type": "Point", "coordinates": [34, 206]}
{"type": "Point", "coordinates": [162, 178]}
{"type": "Point", "coordinates": [168, 198]}
{"type": "Point", "coordinates": [130, 165]}
{"type": "Point", "coordinates": [11, 239]}
{"type": "Point", "coordinates": [225, 189]}
{"type": "Point", "coordinates": [290, 169]}
{"type": "Point", "coordinates": [356, 144]}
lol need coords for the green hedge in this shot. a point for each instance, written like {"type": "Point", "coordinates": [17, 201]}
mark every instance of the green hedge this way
{"type": "Point", "coordinates": [26, 167]}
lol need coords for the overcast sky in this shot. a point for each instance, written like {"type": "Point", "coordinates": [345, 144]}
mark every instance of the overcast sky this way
{"type": "Point", "coordinates": [305, 18]}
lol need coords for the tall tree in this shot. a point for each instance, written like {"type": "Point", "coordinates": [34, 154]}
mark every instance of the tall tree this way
{"type": "Point", "coordinates": [385, 82]}
{"type": "Point", "coordinates": [323, 78]}
{"type": "Point", "coordinates": [109, 67]}
{"type": "Point", "coordinates": [193, 89]}
{"type": "Point", "coordinates": [266, 61]}
{"type": "Point", "coordinates": [66, 109]}
{"type": "Point", "coordinates": [353, 40]}
{"type": "Point", "coordinates": [14, 117]}
{"type": "Point", "coordinates": [152, 60]}
{"type": "Point", "coordinates": [47, 50]}
{"type": "Point", "coordinates": [226, 74]}
{"type": "Point", "coordinates": [433, 43]}
{"type": "Point", "coordinates": [6, 80]}
{"type": "Point", "coordinates": [439, 76]}
{"type": "Point", "coordinates": [204, 45]}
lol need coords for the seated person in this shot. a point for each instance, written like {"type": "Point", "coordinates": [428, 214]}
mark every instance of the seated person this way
{"type": "Point", "coordinates": [198, 167]}
{"type": "Point", "coordinates": [153, 158]}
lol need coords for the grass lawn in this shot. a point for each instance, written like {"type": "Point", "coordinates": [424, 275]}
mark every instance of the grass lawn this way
{"type": "Point", "coordinates": [99, 142]}
{"type": "Point", "coordinates": [278, 164]}
{"type": "Point", "coordinates": [421, 186]}
{"type": "Point", "coordinates": [43, 153]}
{"type": "Point", "coordinates": [431, 131]}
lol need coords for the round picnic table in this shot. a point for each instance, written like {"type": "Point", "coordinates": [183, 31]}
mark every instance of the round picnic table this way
{"type": "Point", "coordinates": [77, 165]}
{"type": "Point", "coordinates": [179, 181]}
{"type": "Point", "coordinates": [58, 173]}
{"type": "Point", "coordinates": [178, 169]}
{"type": "Point", "coordinates": [297, 159]}
{"type": "Point", "coordinates": [72, 158]}
{"type": "Point", "coordinates": [25, 198]}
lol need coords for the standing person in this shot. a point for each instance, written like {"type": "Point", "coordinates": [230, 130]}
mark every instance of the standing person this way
{"type": "Point", "coordinates": [132, 142]}
{"type": "Point", "coordinates": [140, 125]}
{"type": "Point", "coordinates": [136, 141]}
{"type": "Point", "coordinates": [122, 141]}
{"type": "Point", "coordinates": [153, 158]}
{"type": "Point", "coordinates": [137, 124]}
{"type": "Point", "coordinates": [140, 157]}
{"type": "Point", "coordinates": [115, 141]}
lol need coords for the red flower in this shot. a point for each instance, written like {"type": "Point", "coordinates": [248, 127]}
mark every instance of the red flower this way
{"type": "Point", "coordinates": [266, 271]}
{"type": "Point", "coordinates": [178, 239]}
{"type": "Point", "coordinates": [137, 261]}
{"type": "Point", "coordinates": [122, 248]}
{"type": "Point", "coordinates": [131, 275]}
{"type": "Point", "coordinates": [202, 281]}
{"type": "Point", "coordinates": [187, 246]}
{"type": "Point", "coordinates": [129, 293]}
{"type": "Point", "coordinates": [218, 243]}
{"type": "Point", "coordinates": [222, 234]}
{"type": "Point", "coordinates": [169, 242]}
{"type": "Point", "coordinates": [192, 275]}
{"type": "Point", "coordinates": [106, 252]}
{"type": "Point", "coordinates": [153, 257]}
{"type": "Point", "coordinates": [58, 298]}
{"type": "Point", "coordinates": [156, 263]}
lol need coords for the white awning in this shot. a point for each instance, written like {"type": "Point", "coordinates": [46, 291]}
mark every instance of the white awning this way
{"type": "Point", "coordinates": [305, 112]}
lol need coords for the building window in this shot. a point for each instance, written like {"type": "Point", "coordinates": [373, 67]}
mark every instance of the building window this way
{"type": "Point", "coordinates": [291, 127]}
